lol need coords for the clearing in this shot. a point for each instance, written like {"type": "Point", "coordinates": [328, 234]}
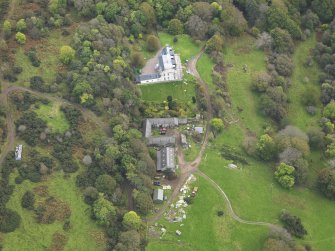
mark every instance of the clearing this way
{"type": "Point", "coordinates": [54, 117]}
{"type": "Point", "coordinates": [84, 234]}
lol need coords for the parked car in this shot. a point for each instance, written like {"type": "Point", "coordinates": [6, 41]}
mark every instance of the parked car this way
{"type": "Point", "coordinates": [157, 183]}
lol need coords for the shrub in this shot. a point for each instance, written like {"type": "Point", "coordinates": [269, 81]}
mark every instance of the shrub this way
{"type": "Point", "coordinates": [293, 224]}
{"type": "Point", "coordinates": [66, 54]}
{"type": "Point", "coordinates": [175, 27]}
{"type": "Point", "coordinates": [326, 182]}
{"type": "Point", "coordinates": [9, 220]}
{"type": "Point", "coordinates": [285, 175]}
{"type": "Point", "coordinates": [20, 38]}
{"type": "Point", "coordinates": [28, 200]}
{"type": "Point", "coordinates": [21, 25]}
{"type": "Point", "coordinates": [153, 43]}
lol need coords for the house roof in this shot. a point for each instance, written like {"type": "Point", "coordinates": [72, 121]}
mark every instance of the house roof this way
{"type": "Point", "coordinates": [166, 159]}
{"type": "Point", "coordinates": [158, 195]}
{"type": "Point", "coordinates": [161, 141]}
{"type": "Point", "coordinates": [166, 59]}
{"type": "Point", "coordinates": [144, 77]}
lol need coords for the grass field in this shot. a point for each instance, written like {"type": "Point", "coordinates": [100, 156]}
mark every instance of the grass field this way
{"type": "Point", "coordinates": [253, 191]}
{"type": "Point", "coordinates": [33, 236]}
{"type": "Point", "coordinates": [204, 230]}
{"type": "Point", "coordinates": [47, 52]}
{"type": "Point", "coordinates": [297, 111]}
{"type": "Point", "coordinates": [54, 117]}
{"type": "Point", "coordinates": [185, 46]}
{"type": "Point", "coordinates": [242, 52]}
{"type": "Point", "coordinates": [205, 67]}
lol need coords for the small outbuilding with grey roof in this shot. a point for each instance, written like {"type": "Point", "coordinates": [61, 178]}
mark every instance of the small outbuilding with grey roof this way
{"type": "Point", "coordinates": [158, 196]}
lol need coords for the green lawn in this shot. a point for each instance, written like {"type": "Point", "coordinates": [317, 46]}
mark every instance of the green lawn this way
{"type": "Point", "coordinates": [33, 236]}
{"type": "Point", "coordinates": [181, 91]}
{"type": "Point", "coordinates": [204, 230]}
{"type": "Point", "coordinates": [297, 111]}
{"type": "Point", "coordinates": [47, 52]}
{"type": "Point", "coordinates": [205, 67]}
{"type": "Point", "coordinates": [54, 117]}
{"type": "Point", "coordinates": [185, 46]}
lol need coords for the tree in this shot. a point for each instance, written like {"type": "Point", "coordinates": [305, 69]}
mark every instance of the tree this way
{"type": "Point", "coordinates": [266, 147]}
{"type": "Point", "coordinates": [105, 184]}
{"type": "Point", "coordinates": [57, 6]}
{"type": "Point", "coordinates": [293, 224]}
{"type": "Point", "coordinates": [316, 137]}
{"type": "Point", "coordinates": [28, 200]}
{"type": "Point", "coordinates": [7, 27]}
{"type": "Point", "coordinates": [21, 25]}
{"type": "Point", "coordinates": [66, 54]}
{"type": "Point", "coordinates": [131, 220]}
{"type": "Point", "coordinates": [261, 81]}
{"type": "Point", "coordinates": [91, 194]}
{"type": "Point", "coordinates": [325, 9]}
{"type": "Point", "coordinates": [153, 43]}
{"type": "Point", "coordinates": [282, 41]}
{"type": "Point", "coordinates": [292, 136]}
{"type": "Point", "coordinates": [326, 182]}
{"type": "Point", "coordinates": [143, 202]}
{"type": "Point", "coordinates": [129, 241]}
{"type": "Point", "coordinates": [196, 27]}
{"type": "Point", "coordinates": [103, 210]}
{"type": "Point", "coordinates": [284, 65]}
{"type": "Point", "coordinates": [214, 44]}
{"type": "Point", "coordinates": [137, 60]}
{"type": "Point", "coordinates": [217, 125]}
{"type": "Point", "coordinates": [276, 245]}
{"type": "Point", "coordinates": [310, 96]}
{"type": "Point", "coordinates": [285, 175]}
{"type": "Point", "coordinates": [20, 38]}
{"type": "Point", "coordinates": [329, 110]}
{"type": "Point", "coordinates": [9, 220]}
{"type": "Point", "coordinates": [175, 27]}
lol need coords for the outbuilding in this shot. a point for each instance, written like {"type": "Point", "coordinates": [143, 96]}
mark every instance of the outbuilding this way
{"type": "Point", "coordinates": [158, 196]}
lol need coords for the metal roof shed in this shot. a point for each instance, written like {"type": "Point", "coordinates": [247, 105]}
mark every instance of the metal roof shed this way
{"type": "Point", "coordinates": [158, 196]}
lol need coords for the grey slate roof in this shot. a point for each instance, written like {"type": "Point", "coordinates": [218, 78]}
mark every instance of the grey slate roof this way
{"type": "Point", "coordinates": [166, 159]}
{"type": "Point", "coordinates": [164, 122]}
{"type": "Point", "coordinates": [158, 195]}
{"type": "Point", "coordinates": [183, 139]}
{"type": "Point", "coordinates": [161, 141]}
{"type": "Point", "coordinates": [144, 77]}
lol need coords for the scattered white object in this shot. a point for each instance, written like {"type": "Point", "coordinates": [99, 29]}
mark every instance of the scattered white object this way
{"type": "Point", "coordinates": [232, 166]}
{"type": "Point", "coordinates": [178, 232]}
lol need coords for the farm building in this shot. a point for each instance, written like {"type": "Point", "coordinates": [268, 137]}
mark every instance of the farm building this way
{"type": "Point", "coordinates": [161, 141]}
{"type": "Point", "coordinates": [183, 141]}
{"type": "Point", "coordinates": [166, 159]}
{"type": "Point", "coordinates": [199, 129]}
{"type": "Point", "coordinates": [161, 122]}
{"type": "Point", "coordinates": [168, 68]}
{"type": "Point", "coordinates": [158, 196]}
{"type": "Point", "coordinates": [18, 152]}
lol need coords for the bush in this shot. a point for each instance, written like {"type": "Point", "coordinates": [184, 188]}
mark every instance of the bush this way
{"type": "Point", "coordinates": [293, 224]}
{"type": "Point", "coordinates": [32, 55]}
{"type": "Point", "coordinates": [9, 220]}
{"type": "Point", "coordinates": [153, 43]}
{"type": "Point", "coordinates": [66, 54]}
{"type": "Point", "coordinates": [326, 182]}
{"type": "Point", "coordinates": [28, 200]}
{"type": "Point", "coordinates": [20, 38]}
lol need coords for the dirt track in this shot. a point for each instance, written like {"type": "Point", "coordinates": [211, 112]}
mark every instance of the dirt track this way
{"type": "Point", "coordinates": [188, 168]}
